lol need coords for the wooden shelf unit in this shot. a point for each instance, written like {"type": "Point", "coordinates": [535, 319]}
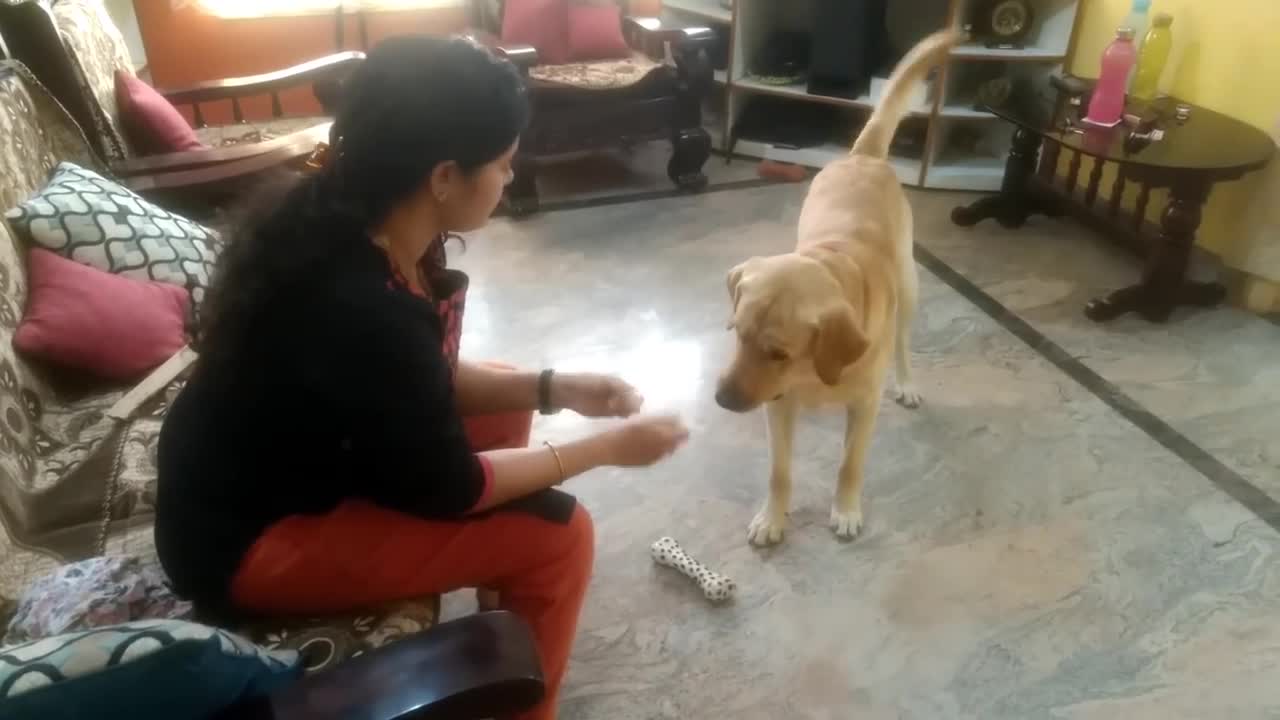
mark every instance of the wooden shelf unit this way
{"type": "Point", "coordinates": [964, 146]}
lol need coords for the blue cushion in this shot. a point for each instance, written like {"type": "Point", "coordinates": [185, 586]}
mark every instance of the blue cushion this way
{"type": "Point", "coordinates": [150, 670]}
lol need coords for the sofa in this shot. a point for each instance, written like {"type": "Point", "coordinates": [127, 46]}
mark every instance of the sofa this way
{"type": "Point", "coordinates": [77, 465]}
{"type": "Point", "coordinates": [77, 485]}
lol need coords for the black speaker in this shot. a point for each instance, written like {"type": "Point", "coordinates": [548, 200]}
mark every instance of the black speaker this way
{"type": "Point", "coordinates": [849, 44]}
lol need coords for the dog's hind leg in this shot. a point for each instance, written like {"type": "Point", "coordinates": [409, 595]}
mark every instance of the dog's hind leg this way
{"type": "Point", "coordinates": [770, 523]}
{"type": "Point", "coordinates": [904, 390]}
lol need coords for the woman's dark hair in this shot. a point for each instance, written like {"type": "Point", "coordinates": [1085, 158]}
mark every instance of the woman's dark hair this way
{"type": "Point", "coordinates": [414, 103]}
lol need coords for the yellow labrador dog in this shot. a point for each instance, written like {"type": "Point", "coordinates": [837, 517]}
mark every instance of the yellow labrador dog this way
{"type": "Point", "coordinates": [816, 326]}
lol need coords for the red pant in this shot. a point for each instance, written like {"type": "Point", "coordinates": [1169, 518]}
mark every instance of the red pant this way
{"type": "Point", "coordinates": [361, 555]}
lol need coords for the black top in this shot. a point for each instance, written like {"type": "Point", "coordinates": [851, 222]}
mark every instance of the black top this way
{"type": "Point", "coordinates": [1205, 141]}
{"type": "Point", "coordinates": [343, 390]}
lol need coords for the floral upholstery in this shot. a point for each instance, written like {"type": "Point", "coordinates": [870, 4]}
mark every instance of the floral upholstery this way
{"type": "Point", "coordinates": [596, 75]}
{"type": "Point", "coordinates": [98, 50]}
{"type": "Point", "coordinates": [254, 130]}
{"type": "Point", "coordinates": [55, 453]}
{"type": "Point", "coordinates": [74, 482]}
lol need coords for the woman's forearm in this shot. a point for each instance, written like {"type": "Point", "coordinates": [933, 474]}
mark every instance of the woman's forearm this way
{"type": "Point", "coordinates": [483, 389]}
{"type": "Point", "coordinates": [524, 471]}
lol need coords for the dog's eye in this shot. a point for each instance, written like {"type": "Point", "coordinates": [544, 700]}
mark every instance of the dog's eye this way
{"type": "Point", "coordinates": [779, 355]}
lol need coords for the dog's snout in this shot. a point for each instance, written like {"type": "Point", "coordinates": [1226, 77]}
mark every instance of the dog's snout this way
{"type": "Point", "coordinates": [728, 397]}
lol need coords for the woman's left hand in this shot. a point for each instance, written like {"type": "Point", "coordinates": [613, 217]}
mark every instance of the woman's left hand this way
{"type": "Point", "coordinates": [594, 396]}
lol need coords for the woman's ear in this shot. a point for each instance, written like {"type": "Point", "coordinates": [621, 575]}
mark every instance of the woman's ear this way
{"type": "Point", "coordinates": [444, 180]}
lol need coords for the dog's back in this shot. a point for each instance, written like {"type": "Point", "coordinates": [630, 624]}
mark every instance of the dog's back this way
{"type": "Point", "coordinates": [858, 197]}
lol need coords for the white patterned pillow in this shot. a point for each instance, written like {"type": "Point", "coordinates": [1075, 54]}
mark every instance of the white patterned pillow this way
{"type": "Point", "coordinates": [147, 669]}
{"type": "Point", "coordinates": [97, 222]}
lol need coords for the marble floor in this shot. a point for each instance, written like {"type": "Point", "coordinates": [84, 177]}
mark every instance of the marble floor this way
{"type": "Point", "coordinates": [1042, 539]}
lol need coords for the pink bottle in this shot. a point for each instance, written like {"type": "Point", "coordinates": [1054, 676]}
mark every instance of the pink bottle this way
{"type": "Point", "coordinates": [1106, 108]}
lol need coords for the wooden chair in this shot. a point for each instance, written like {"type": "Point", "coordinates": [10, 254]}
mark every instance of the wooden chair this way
{"type": "Point", "coordinates": [75, 49]}
{"type": "Point", "coordinates": [572, 113]}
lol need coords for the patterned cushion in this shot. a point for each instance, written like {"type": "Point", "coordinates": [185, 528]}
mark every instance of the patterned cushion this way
{"type": "Point", "coordinates": [599, 75]}
{"type": "Point", "coordinates": [326, 641]}
{"type": "Point", "coordinates": [106, 591]}
{"type": "Point", "coordinates": [254, 130]}
{"type": "Point", "coordinates": [148, 669]}
{"type": "Point", "coordinates": [92, 220]}
{"type": "Point", "coordinates": [94, 593]}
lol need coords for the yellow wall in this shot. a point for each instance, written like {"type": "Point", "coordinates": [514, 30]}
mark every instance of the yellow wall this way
{"type": "Point", "coordinates": [1226, 57]}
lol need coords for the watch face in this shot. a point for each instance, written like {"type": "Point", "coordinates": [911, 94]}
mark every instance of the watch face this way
{"type": "Point", "coordinates": [1009, 17]}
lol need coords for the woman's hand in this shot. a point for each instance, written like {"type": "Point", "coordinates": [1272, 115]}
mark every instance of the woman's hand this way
{"type": "Point", "coordinates": [644, 441]}
{"type": "Point", "coordinates": [594, 396]}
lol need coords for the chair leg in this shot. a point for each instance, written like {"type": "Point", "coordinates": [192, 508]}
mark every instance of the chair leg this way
{"type": "Point", "coordinates": [522, 193]}
{"type": "Point", "coordinates": [690, 149]}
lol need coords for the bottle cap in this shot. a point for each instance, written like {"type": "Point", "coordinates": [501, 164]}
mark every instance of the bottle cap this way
{"type": "Point", "coordinates": [1141, 5]}
{"type": "Point", "coordinates": [1124, 33]}
{"type": "Point", "coordinates": [1162, 20]}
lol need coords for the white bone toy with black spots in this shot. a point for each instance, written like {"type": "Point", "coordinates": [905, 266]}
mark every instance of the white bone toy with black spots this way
{"type": "Point", "coordinates": [715, 586]}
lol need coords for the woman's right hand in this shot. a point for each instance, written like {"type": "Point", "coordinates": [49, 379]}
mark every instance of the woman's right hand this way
{"type": "Point", "coordinates": [643, 441]}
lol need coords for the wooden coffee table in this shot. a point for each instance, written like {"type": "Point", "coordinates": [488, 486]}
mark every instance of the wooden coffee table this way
{"type": "Point", "coordinates": [1199, 148]}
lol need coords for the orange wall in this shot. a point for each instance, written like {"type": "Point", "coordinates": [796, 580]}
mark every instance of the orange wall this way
{"type": "Point", "coordinates": [186, 46]}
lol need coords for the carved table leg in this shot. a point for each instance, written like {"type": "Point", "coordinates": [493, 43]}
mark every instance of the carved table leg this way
{"type": "Point", "coordinates": [1015, 202]}
{"type": "Point", "coordinates": [1164, 285]}
{"type": "Point", "coordinates": [522, 193]}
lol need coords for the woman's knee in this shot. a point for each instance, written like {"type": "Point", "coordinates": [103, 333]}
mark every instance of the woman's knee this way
{"type": "Point", "coordinates": [582, 536]}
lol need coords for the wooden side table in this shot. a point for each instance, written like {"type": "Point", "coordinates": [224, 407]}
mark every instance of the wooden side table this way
{"type": "Point", "coordinates": [1162, 144]}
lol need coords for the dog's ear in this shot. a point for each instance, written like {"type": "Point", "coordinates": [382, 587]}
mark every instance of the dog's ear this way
{"type": "Point", "coordinates": [837, 344]}
{"type": "Point", "coordinates": [732, 282]}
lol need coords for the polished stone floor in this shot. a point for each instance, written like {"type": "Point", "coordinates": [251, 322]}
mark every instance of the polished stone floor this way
{"type": "Point", "coordinates": [1030, 551]}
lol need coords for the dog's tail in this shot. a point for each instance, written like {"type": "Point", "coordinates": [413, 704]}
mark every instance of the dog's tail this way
{"type": "Point", "coordinates": [910, 72]}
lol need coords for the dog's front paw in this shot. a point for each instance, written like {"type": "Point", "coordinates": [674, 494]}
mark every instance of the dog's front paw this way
{"type": "Point", "coordinates": [846, 524]}
{"type": "Point", "coordinates": [767, 528]}
{"type": "Point", "coordinates": [907, 396]}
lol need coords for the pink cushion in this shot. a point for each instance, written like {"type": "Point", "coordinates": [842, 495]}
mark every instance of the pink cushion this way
{"type": "Point", "coordinates": [595, 32]}
{"type": "Point", "coordinates": [86, 319]}
{"type": "Point", "coordinates": [153, 124]}
{"type": "Point", "coordinates": [540, 23]}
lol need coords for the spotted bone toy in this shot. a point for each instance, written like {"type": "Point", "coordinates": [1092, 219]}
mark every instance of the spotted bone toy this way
{"type": "Point", "coordinates": [715, 586]}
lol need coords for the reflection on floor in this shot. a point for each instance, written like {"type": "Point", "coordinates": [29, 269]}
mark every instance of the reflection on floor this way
{"type": "Point", "coordinates": [1029, 551]}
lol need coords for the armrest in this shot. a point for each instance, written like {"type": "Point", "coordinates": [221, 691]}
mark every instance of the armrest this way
{"type": "Point", "coordinates": [302, 140]}
{"type": "Point", "coordinates": [152, 384]}
{"type": "Point", "coordinates": [228, 88]}
{"type": "Point", "coordinates": [648, 34]}
{"type": "Point", "coordinates": [520, 55]}
{"type": "Point", "coordinates": [185, 185]}
{"type": "Point", "coordinates": [480, 666]}
{"type": "Point", "coordinates": [688, 45]}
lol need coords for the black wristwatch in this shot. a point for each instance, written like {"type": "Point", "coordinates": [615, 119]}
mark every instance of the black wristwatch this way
{"type": "Point", "coordinates": [544, 393]}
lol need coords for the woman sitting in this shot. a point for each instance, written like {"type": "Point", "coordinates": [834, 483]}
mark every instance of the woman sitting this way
{"type": "Point", "coordinates": [330, 452]}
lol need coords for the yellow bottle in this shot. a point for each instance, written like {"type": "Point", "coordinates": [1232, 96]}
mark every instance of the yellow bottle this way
{"type": "Point", "coordinates": [1152, 59]}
